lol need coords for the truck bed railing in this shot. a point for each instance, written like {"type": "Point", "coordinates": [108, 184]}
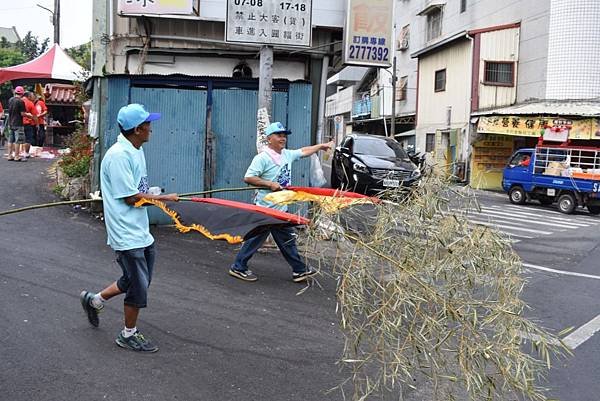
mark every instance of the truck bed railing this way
{"type": "Point", "coordinates": [583, 163]}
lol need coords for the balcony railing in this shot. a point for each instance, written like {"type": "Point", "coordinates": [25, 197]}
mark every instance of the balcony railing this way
{"type": "Point", "coordinates": [361, 108]}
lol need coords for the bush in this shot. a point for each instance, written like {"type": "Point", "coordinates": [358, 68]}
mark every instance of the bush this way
{"type": "Point", "coordinates": [77, 162]}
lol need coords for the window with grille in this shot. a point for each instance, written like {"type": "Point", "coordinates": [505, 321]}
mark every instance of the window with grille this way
{"type": "Point", "coordinates": [463, 6]}
{"type": "Point", "coordinates": [434, 24]}
{"type": "Point", "coordinates": [401, 89]}
{"type": "Point", "coordinates": [500, 73]}
{"type": "Point", "coordinates": [429, 142]}
{"type": "Point", "coordinates": [440, 80]}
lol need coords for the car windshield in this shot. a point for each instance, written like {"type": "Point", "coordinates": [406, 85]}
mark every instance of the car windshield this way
{"type": "Point", "coordinates": [378, 147]}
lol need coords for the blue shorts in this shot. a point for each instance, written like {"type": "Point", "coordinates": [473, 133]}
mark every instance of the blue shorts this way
{"type": "Point", "coordinates": [137, 265]}
{"type": "Point", "coordinates": [16, 135]}
{"type": "Point", "coordinates": [29, 133]}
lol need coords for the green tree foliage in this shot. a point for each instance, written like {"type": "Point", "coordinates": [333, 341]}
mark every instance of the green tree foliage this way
{"type": "Point", "coordinates": [81, 54]}
{"type": "Point", "coordinates": [10, 56]}
{"type": "Point", "coordinates": [31, 46]}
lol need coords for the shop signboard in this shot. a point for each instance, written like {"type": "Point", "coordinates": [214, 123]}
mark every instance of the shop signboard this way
{"type": "Point", "coordinates": [552, 128]}
{"type": "Point", "coordinates": [269, 22]}
{"type": "Point", "coordinates": [368, 34]}
{"type": "Point", "coordinates": [512, 125]}
{"type": "Point", "coordinates": [158, 7]}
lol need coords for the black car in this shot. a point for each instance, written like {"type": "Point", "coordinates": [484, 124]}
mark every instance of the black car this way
{"type": "Point", "coordinates": [369, 163]}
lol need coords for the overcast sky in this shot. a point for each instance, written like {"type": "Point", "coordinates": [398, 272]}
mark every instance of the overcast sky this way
{"type": "Point", "coordinates": [75, 19]}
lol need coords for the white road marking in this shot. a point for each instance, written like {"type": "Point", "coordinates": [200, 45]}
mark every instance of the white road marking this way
{"type": "Point", "coordinates": [497, 216]}
{"type": "Point", "coordinates": [574, 222]}
{"type": "Point", "coordinates": [528, 230]}
{"type": "Point", "coordinates": [590, 219]}
{"type": "Point", "coordinates": [563, 272]}
{"type": "Point", "coordinates": [582, 334]}
{"type": "Point", "coordinates": [585, 332]}
{"type": "Point", "coordinates": [509, 234]}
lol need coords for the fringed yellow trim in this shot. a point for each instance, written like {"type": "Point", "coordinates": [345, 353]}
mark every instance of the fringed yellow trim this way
{"type": "Point", "coordinates": [330, 204]}
{"type": "Point", "coordinates": [232, 239]}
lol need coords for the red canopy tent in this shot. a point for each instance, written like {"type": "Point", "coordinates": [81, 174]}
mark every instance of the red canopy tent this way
{"type": "Point", "coordinates": [53, 64]}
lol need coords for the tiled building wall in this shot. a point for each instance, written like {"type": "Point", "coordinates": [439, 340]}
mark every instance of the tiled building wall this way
{"type": "Point", "coordinates": [574, 50]}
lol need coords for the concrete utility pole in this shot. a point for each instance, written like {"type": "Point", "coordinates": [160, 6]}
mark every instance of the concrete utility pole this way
{"type": "Point", "coordinates": [394, 79]}
{"type": "Point", "coordinates": [56, 21]}
{"type": "Point", "coordinates": [265, 80]}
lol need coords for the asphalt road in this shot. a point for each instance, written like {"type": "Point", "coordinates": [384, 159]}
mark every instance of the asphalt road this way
{"type": "Point", "coordinates": [222, 339]}
{"type": "Point", "coordinates": [563, 269]}
{"type": "Point", "coordinates": [219, 338]}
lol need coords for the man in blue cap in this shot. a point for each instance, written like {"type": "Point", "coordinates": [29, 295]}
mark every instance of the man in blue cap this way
{"type": "Point", "coordinates": [123, 182]}
{"type": "Point", "coordinates": [272, 170]}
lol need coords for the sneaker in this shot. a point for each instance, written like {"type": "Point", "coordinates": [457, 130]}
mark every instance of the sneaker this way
{"type": "Point", "coordinates": [136, 342]}
{"type": "Point", "coordinates": [245, 275]}
{"type": "Point", "coordinates": [92, 312]}
{"type": "Point", "coordinates": [299, 277]}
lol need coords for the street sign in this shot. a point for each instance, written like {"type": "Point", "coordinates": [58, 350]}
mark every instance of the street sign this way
{"type": "Point", "coordinates": [368, 39]}
{"type": "Point", "coordinates": [158, 7]}
{"type": "Point", "coordinates": [269, 22]}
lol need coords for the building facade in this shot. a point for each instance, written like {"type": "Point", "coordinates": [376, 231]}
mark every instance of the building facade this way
{"type": "Point", "coordinates": [205, 87]}
{"type": "Point", "coordinates": [479, 62]}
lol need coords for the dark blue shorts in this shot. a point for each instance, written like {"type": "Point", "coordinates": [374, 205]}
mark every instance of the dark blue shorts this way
{"type": "Point", "coordinates": [137, 265]}
{"type": "Point", "coordinates": [30, 133]}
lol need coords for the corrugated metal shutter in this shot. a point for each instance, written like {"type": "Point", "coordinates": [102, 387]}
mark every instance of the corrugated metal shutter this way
{"type": "Point", "coordinates": [234, 127]}
{"type": "Point", "coordinates": [117, 96]}
{"type": "Point", "coordinates": [175, 152]}
{"type": "Point", "coordinates": [299, 121]}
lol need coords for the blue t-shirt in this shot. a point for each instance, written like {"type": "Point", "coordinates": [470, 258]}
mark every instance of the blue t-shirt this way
{"type": "Point", "coordinates": [123, 174]}
{"type": "Point", "coordinates": [264, 167]}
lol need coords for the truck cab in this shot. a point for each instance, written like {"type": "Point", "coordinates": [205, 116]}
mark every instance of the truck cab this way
{"type": "Point", "coordinates": [518, 171]}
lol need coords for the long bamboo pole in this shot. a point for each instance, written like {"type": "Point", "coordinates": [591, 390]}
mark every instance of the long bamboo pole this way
{"type": "Point", "coordinates": [78, 202]}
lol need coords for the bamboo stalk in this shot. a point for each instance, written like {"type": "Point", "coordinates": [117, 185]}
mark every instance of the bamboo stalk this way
{"type": "Point", "coordinates": [183, 197]}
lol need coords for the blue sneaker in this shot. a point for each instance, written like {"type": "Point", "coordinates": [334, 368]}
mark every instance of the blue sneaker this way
{"type": "Point", "coordinates": [136, 342]}
{"type": "Point", "coordinates": [86, 303]}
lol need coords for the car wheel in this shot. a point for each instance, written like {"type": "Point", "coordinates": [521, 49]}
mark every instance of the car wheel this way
{"type": "Point", "coordinates": [567, 203]}
{"type": "Point", "coordinates": [593, 209]}
{"type": "Point", "coordinates": [517, 196]}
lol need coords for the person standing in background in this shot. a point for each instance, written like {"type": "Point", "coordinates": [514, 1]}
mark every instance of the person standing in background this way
{"type": "Point", "coordinates": [42, 112]}
{"type": "Point", "coordinates": [16, 115]}
{"type": "Point", "coordinates": [29, 122]}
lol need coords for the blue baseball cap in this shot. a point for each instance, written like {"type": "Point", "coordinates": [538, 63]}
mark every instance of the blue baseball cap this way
{"type": "Point", "coordinates": [134, 115]}
{"type": "Point", "coordinates": [277, 128]}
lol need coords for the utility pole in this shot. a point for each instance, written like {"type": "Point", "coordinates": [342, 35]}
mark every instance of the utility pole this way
{"type": "Point", "coordinates": [394, 79]}
{"type": "Point", "coordinates": [56, 21]}
{"type": "Point", "coordinates": [265, 80]}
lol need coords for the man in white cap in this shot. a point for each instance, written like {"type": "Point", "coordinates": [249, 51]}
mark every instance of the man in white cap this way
{"type": "Point", "coordinates": [272, 170]}
{"type": "Point", "coordinates": [123, 182]}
